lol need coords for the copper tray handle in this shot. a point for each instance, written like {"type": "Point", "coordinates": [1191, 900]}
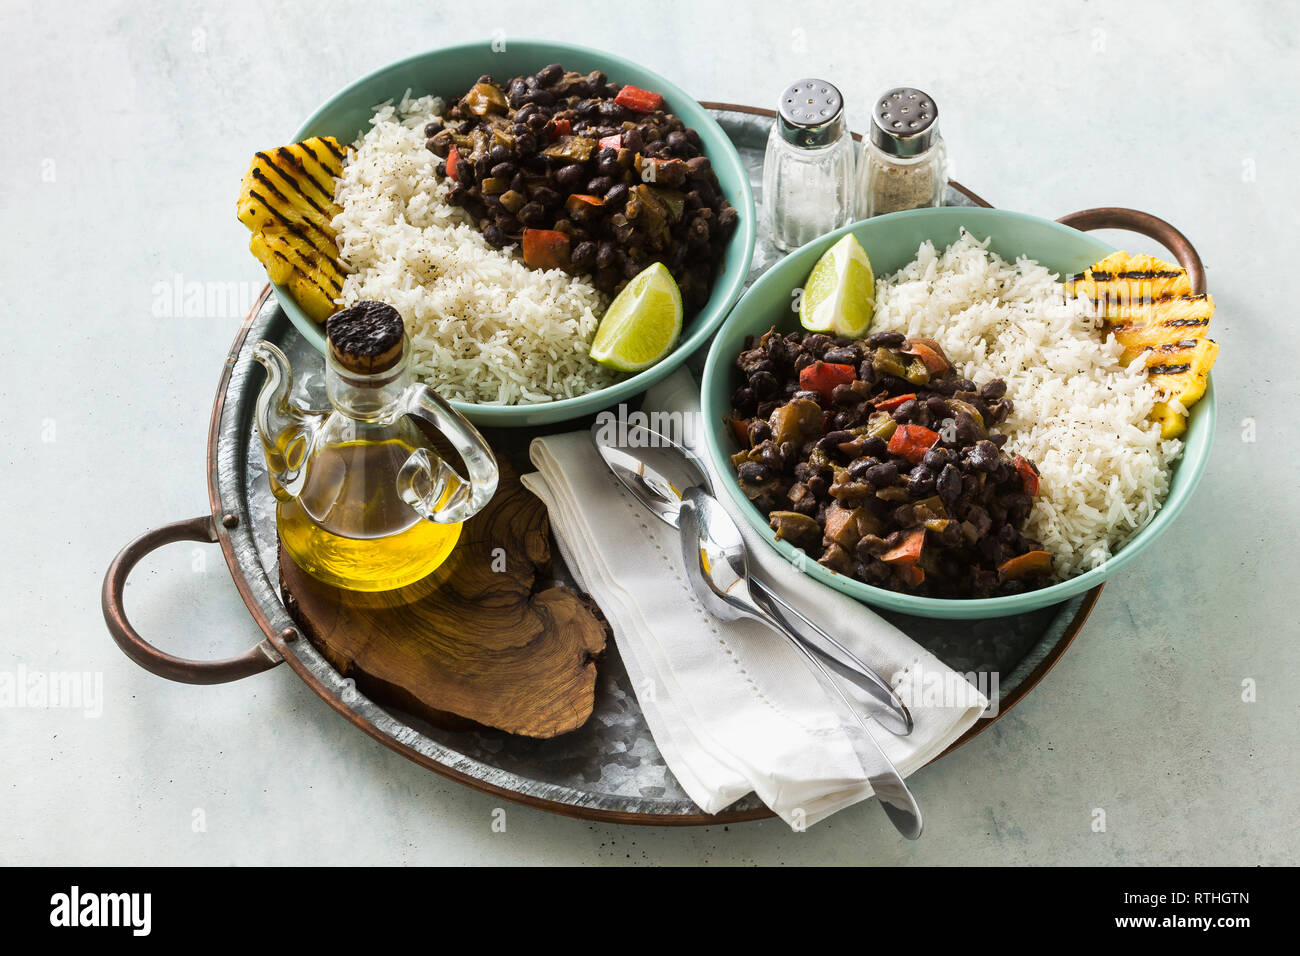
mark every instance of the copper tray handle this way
{"type": "Point", "coordinates": [1143, 223]}
{"type": "Point", "coordinates": [256, 659]}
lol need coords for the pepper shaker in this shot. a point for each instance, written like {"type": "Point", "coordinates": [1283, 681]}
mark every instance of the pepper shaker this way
{"type": "Point", "coordinates": [904, 160]}
{"type": "Point", "coordinates": [808, 168]}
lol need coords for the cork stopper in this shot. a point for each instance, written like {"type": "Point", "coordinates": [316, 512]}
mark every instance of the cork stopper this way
{"type": "Point", "coordinates": [366, 338]}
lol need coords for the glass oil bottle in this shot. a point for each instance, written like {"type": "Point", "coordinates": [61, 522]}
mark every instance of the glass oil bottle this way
{"type": "Point", "coordinates": [365, 502]}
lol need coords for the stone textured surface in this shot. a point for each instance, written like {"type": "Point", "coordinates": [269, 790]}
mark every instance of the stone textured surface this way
{"type": "Point", "coordinates": [130, 127]}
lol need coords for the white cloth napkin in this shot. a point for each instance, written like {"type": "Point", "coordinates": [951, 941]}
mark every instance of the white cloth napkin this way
{"type": "Point", "coordinates": [732, 706]}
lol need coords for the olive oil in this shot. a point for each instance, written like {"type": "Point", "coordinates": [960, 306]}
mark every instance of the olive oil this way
{"type": "Point", "coordinates": [365, 500]}
{"type": "Point", "coordinates": [350, 528]}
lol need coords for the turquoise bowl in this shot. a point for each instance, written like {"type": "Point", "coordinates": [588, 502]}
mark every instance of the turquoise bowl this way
{"type": "Point", "coordinates": [452, 70]}
{"type": "Point", "coordinates": [891, 242]}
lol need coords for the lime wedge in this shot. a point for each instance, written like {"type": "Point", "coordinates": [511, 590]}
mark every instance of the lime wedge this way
{"type": "Point", "coordinates": [642, 324]}
{"type": "Point", "coordinates": [840, 294]}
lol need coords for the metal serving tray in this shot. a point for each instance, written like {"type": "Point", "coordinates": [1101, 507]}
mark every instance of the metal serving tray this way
{"type": "Point", "coordinates": [610, 769]}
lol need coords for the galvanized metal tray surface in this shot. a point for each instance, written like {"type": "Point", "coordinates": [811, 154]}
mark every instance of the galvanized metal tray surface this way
{"type": "Point", "coordinates": [608, 770]}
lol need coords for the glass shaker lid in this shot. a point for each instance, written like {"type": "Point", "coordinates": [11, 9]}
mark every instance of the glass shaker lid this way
{"type": "Point", "coordinates": [811, 113]}
{"type": "Point", "coordinates": [903, 121]}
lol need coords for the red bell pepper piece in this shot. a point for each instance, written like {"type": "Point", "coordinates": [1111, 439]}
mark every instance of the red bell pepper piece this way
{"type": "Point", "coordinates": [912, 442]}
{"type": "Point", "coordinates": [935, 362]}
{"type": "Point", "coordinates": [1031, 562]}
{"type": "Point", "coordinates": [545, 249]}
{"type": "Point", "coordinates": [611, 142]}
{"type": "Point", "coordinates": [453, 158]}
{"type": "Point", "coordinates": [889, 404]}
{"type": "Point", "coordinates": [581, 203]}
{"type": "Point", "coordinates": [740, 428]}
{"type": "Point", "coordinates": [561, 127]}
{"type": "Point", "coordinates": [822, 377]}
{"type": "Point", "coordinates": [1028, 474]}
{"type": "Point", "coordinates": [912, 575]}
{"type": "Point", "coordinates": [909, 552]}
{"type": "Point", "coordinates": [638, 100]}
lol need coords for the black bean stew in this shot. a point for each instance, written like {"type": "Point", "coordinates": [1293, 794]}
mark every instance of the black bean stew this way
{"type": "Point", "coordinates": [585, 175]}
{"type": "Point", "coordinates": [877, 459]}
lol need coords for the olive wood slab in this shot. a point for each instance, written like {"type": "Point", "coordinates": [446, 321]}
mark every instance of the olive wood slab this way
{"type": "Point", "coordinates": [482, 640]}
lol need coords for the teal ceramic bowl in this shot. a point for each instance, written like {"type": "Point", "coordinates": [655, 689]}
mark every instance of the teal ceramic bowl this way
{"type": "Point", "coordinates": [449, 72]}
{"type": "Point", "coordinates": [891, 242]}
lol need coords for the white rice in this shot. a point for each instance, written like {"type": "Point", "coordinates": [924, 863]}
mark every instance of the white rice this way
{"type": "Point", "coordinates": [1079, 414]}
{"type": "Point", "coordinates": [483, 326]}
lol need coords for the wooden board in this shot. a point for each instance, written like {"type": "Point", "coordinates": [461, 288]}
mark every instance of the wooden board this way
{"type": "Point", "coordinates": [474, 641]}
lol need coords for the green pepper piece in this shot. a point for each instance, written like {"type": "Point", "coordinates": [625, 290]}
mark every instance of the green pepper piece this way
{"type": "Point", "coordinates": [932, 506]}
{"type": "Point", "coordinates": [887, 363]}
{"type": "Point", "coordinates": [673, 200]}
{"type": "Point", "coordinates": [576, 149]}
{"type": "Point", "coordinates": [881, 425]}
{"type": "Point", "coordinates": [512, 201]}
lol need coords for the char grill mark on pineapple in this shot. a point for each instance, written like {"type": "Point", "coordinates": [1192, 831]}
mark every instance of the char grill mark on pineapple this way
{"type": "Point", "coordinates": [299, 177]}
{"type": "Point", "coordinates": [331, 147]}
{"type": "Point", "coordinates": [1170, 309]}
{"type": "Point", "coordinates": [1136, 274]}
{"type": "Point", "coordinates": [1114, 300]}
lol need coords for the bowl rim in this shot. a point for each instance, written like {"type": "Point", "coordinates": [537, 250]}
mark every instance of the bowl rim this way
{"type": "Point", "coordinates": [727, 283]}
{"type": "Point", "coordinates": [1195, 454]}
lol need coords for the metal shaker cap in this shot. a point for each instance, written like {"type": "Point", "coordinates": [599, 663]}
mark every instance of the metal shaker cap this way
{"type": "Point", "coordinates": [811, 114]}
{"type": "Point", "coordinates": [904, 121]}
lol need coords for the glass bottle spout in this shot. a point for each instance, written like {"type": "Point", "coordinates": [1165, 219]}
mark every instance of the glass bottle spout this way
{"type": "Point", "coordinates": [288, 432]}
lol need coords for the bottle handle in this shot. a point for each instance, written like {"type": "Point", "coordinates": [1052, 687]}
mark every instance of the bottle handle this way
{"type": "Point", "coordinates": [427, 483]}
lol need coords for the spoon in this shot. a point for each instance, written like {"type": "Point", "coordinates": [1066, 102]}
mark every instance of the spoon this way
{"type": "Point", "coordinates": [718, 569]}
{"type": "Point", "coordinates": [656, 488]}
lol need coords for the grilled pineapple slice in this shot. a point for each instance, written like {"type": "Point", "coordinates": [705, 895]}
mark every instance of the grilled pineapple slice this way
{"type": "Point", "coordinates": [1172, 423]}
{"type": "Point", "coordinates": [1180, 369]}
{"type": "Point", "coordinates": [1123, 279]}
{"type": "Point", "coordinates": [287, 200]}
{"type": "Point", "coordinates": [1150, 307]}
{"type": "Point", "coordinates": [312, 278]}
{"type": "Point", "coordinates": [1175, 320]}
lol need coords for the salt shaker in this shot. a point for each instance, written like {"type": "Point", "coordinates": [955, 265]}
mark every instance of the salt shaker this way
{"type": "Point", "coordinates": [904, 161]}
{"type": "Point", "coordinates": [808, 169]}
